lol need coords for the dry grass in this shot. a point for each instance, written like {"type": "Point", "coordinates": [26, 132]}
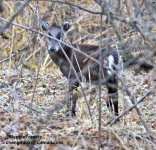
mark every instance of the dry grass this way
{"type": "Point", "coordinates": [30, 74]}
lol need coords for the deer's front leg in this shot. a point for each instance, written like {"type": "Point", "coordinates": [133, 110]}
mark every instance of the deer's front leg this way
{"type": "Point", "coordinates": [73, 103]}
{"type": "Point", "coordinates": [72, 98]}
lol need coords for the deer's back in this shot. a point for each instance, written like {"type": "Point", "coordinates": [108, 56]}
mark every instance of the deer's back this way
{"type": "Point", "coordinates": [80, 62]}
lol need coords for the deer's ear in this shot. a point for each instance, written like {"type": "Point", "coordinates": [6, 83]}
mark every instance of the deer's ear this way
{"type": "Point", "coordinates": [66, 26]}
{"type": "Point", "coordinates": [45, 26]}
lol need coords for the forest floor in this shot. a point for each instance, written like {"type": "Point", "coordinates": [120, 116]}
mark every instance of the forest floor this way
{"type": "Point", "coordinates": [33, 106]}
{"type": "Point", "coordinates": [46, 119]}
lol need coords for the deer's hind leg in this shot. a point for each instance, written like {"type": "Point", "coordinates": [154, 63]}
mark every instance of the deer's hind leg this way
{"type": "Point", "coordinates": [112, 100]}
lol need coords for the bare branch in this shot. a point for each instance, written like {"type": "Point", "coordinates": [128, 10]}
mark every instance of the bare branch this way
{"type": "Point", "coordinates": [131, 108]}
{"type": "Point", "coordinates": [14, 16]}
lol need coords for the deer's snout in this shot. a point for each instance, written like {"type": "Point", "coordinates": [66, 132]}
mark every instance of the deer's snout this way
{"type": "Point", "coordinates": [52, 49]}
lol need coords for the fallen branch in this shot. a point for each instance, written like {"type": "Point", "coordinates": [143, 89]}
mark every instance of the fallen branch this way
{"type": "Point", "coordinates": [127, 111]}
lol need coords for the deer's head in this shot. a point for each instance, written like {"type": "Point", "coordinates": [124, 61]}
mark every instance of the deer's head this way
{"type": "Point", "coordinates": [55, 32]}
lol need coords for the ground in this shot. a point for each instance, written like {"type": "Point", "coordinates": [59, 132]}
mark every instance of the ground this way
{"type": "Point", "coordinates": [46, 117]}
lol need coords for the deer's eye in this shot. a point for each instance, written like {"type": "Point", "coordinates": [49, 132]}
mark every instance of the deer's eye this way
{"type": "Point", "coordinates": [59, 36]}
{"type": "Point", "coordinates": [50, 34]}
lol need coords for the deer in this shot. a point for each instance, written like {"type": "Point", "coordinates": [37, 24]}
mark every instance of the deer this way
{"type": "Point", "coordinates": [81, 64]}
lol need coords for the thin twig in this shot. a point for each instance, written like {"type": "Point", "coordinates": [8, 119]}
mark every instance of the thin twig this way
{"type": "Point", "coordinates": [78, 79]}
{"type": "Point", "coordinates": [119, 18]}
{"type": "Point", "coordinates": [13, 17]}
{"type": "Point", "coordinates": [14, 54]}
{"type": "Point", "coordinates": [127, 111]}
{"type": "Point", "coordinates": [100, 84]}
{"type": "Point", "coordinates": [46, 35]}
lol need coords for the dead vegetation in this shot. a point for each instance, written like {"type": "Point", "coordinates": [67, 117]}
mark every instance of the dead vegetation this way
{"type": "Point", "coordinates": [33, 92]}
